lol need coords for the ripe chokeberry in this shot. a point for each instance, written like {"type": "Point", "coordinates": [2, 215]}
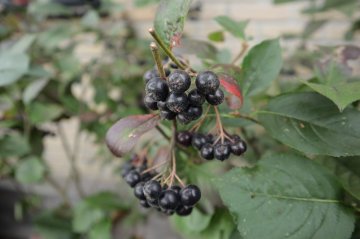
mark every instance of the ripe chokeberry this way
{"type": "Point", "coordinates": [167, 114]}
{"type": "Point", "coordinates": [177, 103]}
{"type": "Point", "coordinates": [169, 200]}
{"type": "Point", "coordinates": [138, 191]}
{"type": "Point", "coordinates": [179, 81]}
{"type": "Point", "coordinates": [195, 98]}
{"type": "Point", "coordinates": [183, 118]}
{"type": "Point", "coordinates": [216, 98]}
{"type": "Point", "coordinates": [222, 151]}
{"type": "Point", "coordinates": [152, 189]}
{"type": "Point", "coordinates": [126, 168]}
{"type": "Point", "coordinates": [162, 105]}
{"type": "Point", "coordinates": [144, 203]}
{"type": "Point", "coordinates": [176, 189]}
{"type": "Point", "coordinates": [190, 195]}
{"type": "Point", "coordinates": [153, 202]}
{"type": "Point", "coordinates": [238, 148]}
{"type": "Point", "coordinates": [198, 140]}
{"type": "Point", "coordinates": [184, 211]}
{"type": "Point", "coordinates": [150, 103]}
{"type": "Point", "coordinates": [184, 138]}
{"type": "Point", "coordinates": [157, 89]}
{"type": "Point", "coordinates": [207, 82]}
{"type": "Point", "coordinates": [132, 178]}
{"type": "Point", "coordinates": [207, 151]}
{"type": "Point", "coordinates": [194, 112]}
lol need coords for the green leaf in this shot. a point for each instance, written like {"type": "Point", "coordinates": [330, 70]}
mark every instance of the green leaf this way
{"type": "Point", "coordinates": [12, 145]}
{"type": "Point", "coordinates": [43, 112]}
{"type": "Point", "coordinates": [261, 66]}
{"type": "Point", "coordinates": [101, 230]}
{"type": "Point", "coordinates": [23, 44]}
{"type": "Point", "coordinates": [12, 67]}
{"type": "Point", "coordinates": [85, 216]}
{"type": "Point", "coordinates": [290, 195]}
{"type": "Point", "coordinates": [106, 201]}
{"type": "Point", "coordinates": [217, 36]}
{"type": "Point", "coordinates": [312, 124]}
{"type": "Point", "coordinates": [33, 89]}
{"type": "Point", "coordinates": [30, 170]}
{"type": "Point", "coordinates": [90, 19]}
{"type": "Point", "coordinates": [170, 18]}
{"type": "Point", "coordinates": [237, 29]}
{"type": "Point", "coordinates": [52, 226]}
{"type": "Point", "coordinates": [143, 3]}
{"type": "Point", "coordinates": [218, 225]}
{"type": "Point", "coordinates": [346, 170]}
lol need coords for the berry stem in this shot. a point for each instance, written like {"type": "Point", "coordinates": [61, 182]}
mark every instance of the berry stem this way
{"type": "Point", "coordinates": [244, 47]}
{"type": "Point", "coordinates": [157, 59]}
{"type": "Point", "coordinates": [219, 125]}
{"type": "Point", "coordinates": [179, 180]}
{"type": "Point", "coordinates": [168, 51]}
{"type": "Point", "coordinates": [162, 132]}
{"type": "Point", "coordinates": [154, 167]}
{"type": "Point", "coordinates": [201, 121]}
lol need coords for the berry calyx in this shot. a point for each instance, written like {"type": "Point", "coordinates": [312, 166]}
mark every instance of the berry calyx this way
{"type": "Point", "coordinates": [216, 98]}
{"type": "Point", "coordinates": [179, 81]}
{"type": "Point", "coordinates": [207, 82]}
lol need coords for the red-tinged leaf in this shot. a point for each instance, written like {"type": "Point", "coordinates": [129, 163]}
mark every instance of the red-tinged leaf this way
{"type": "Point", "coordinates": [231, 86]}
{"type": "Point", "coordinates": [124, 134]}
{"type": "Point", "coordinates": [233, 102]}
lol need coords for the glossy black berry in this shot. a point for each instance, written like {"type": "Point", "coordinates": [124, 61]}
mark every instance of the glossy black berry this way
{"type": "Point", "coordinates": [138, 191]}
{"type": "Point", "coordinates": [152, 190]}
{"type": "Point", "coordinates": [222, 151]}
{"type": "Point", "coordinates": [184, 138]}
{"type": "Point", "coordinates": [184, 211]}
{"type": "Point", "coordinates": [190, 195]}
{"type": "Point", "coordinates": [126, 168]}
{"type": "Point", "coordinates": [183, 118]}
{"type": "Point", "coordinates": [144, 203]}
{"type": "Point", "coordinates": [195, 98]}
{"type": "Point", "coordinates": [150, 103]}
{"type": "Point", "coordinates": [207, 82]}
{"type": "Point", "coordinates": [167, 114]}
{"type": "Point", "coordinates": [162, 105]}
{"type": "Point", "coordinates": [198, 140]}
{"type": "Point", "coordinates": [216, 98]}
{"type": "Point", "coordinates": [179, 81]}
{"type": "Point", "coordinates": [207, 151]}
{"type": "Point", "coordinates": [235, 138]}
{"type": "Point", "coordinates": [153, 202]}
{"type": "Point", "coordinates": [238, 148]}
{"type": "Point", "coordinates": [169, 200]}
{"type": "Point", "coordinates": [176, 189]}
{"type": "Point", "coordinates": [132, 178]}
{"type": "Point", "coordinates": [194, 112]}
{"type": "Point", "coordinates": [177, 102]}
{"type": "Point", "coordinates": [148, 75]}
{"type": "Point", "coordinates": [157, 89]}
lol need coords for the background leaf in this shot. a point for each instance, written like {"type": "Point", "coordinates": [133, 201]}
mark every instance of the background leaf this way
{"type": "Point", "coordinates": [13, 145]}
{"type": "Point", "coordinates": [290, 195]}
{"type": "Point", "coordinates": [12, 67]}
{"type": "Point", "coordinates": [312, 124]}
{"type": "Point", "coordinates": [30, 170]}
{"type": "Point", "coordinates": [231, 86]}
{"type": "Point", "coordinates": [170, 17]}
{"type": "Point", "coordinates": [217, 36]}
{"type": "Point", "coordinates": [235, 28]}
{"type": "Point", "coordinates": [124, 134]}
{"type": "Point", "coordinates": [261, 66]}
{"type": "Point", "coordinates": [101, 230]}
{"type": "Point", "coordinates": [22, 45]}
{"type": "Point", "coordinates": [43, 112]}
{"type": "Point", "coordinates": [33, 89]}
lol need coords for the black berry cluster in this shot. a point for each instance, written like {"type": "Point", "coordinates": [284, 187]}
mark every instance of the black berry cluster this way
{"type": "Point", "coordinates": [152, 195]}
{"type": "Point", "coordinates": [172, 97]}
{"type": "Point", "coordinates": [209, 147]}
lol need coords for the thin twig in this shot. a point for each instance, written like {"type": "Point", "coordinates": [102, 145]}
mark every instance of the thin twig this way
{"type": "Point", "coordinates": [244, 47]}
{"type": "Point", "coordinates": [162, 132]}
{"type": "Point", "coordinates": [157, 59]}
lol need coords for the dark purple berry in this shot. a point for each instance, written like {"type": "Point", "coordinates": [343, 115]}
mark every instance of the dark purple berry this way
{"type": "Point", "coordinates": [195, 98]}
{"type": "Point", "coordinates": [184, 211]}
{"type": "Point", "coordinates": [157, 89]}
{"type": "Point", "coordinates": [126, 168]}
{"type": "Point", "coordinates": [238, 148]}
{"type": "Point", "coordinates": [236, 138]}
{"type": "Point", "coordinates": [167, 114]}
{"type": "Point", "coordinates": [176, 189]}
{"type": "Point", "coordinates": [198, 140]}
{"type": "Point", "coordinates": [149, 75]}
{"type": "Point", "coordinates": [144, 203]}
{"type": "Point", "coordinates": [162, 105]}
{"type": "Point", "coordinates": [177, 102]}
{"type": "Point", "coordinates": [215, 99]}
{"type": "Point", "coordinates": [207, 82]}
{"type": "Point", "coordinates": [179, 81]}
{"type": "Point", "coordinates": [169, 200]}
{"type": "Point", "coordinates": [153, 202]}
{"type": "Point", "coordinates": [150, 103]}
{"type": "Point", "coordinates": [138, 191]}
{"type": "Point", "coordinates": [132, 178]}
{"type": "Point", "coordinates": [222, 151]}
{"type": "Point", "coordinates": [194, 112]}
{"type": "Point", "coordinates": [207, 152]}
{"type": "Point", "coordinates": [184, 138]}
{"type": "Point", "coordinates": [190, 195]}
{"type": "Point", "coordinates": [183, 118]}
{"type": "Point", "coordinates": [152, 189]}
